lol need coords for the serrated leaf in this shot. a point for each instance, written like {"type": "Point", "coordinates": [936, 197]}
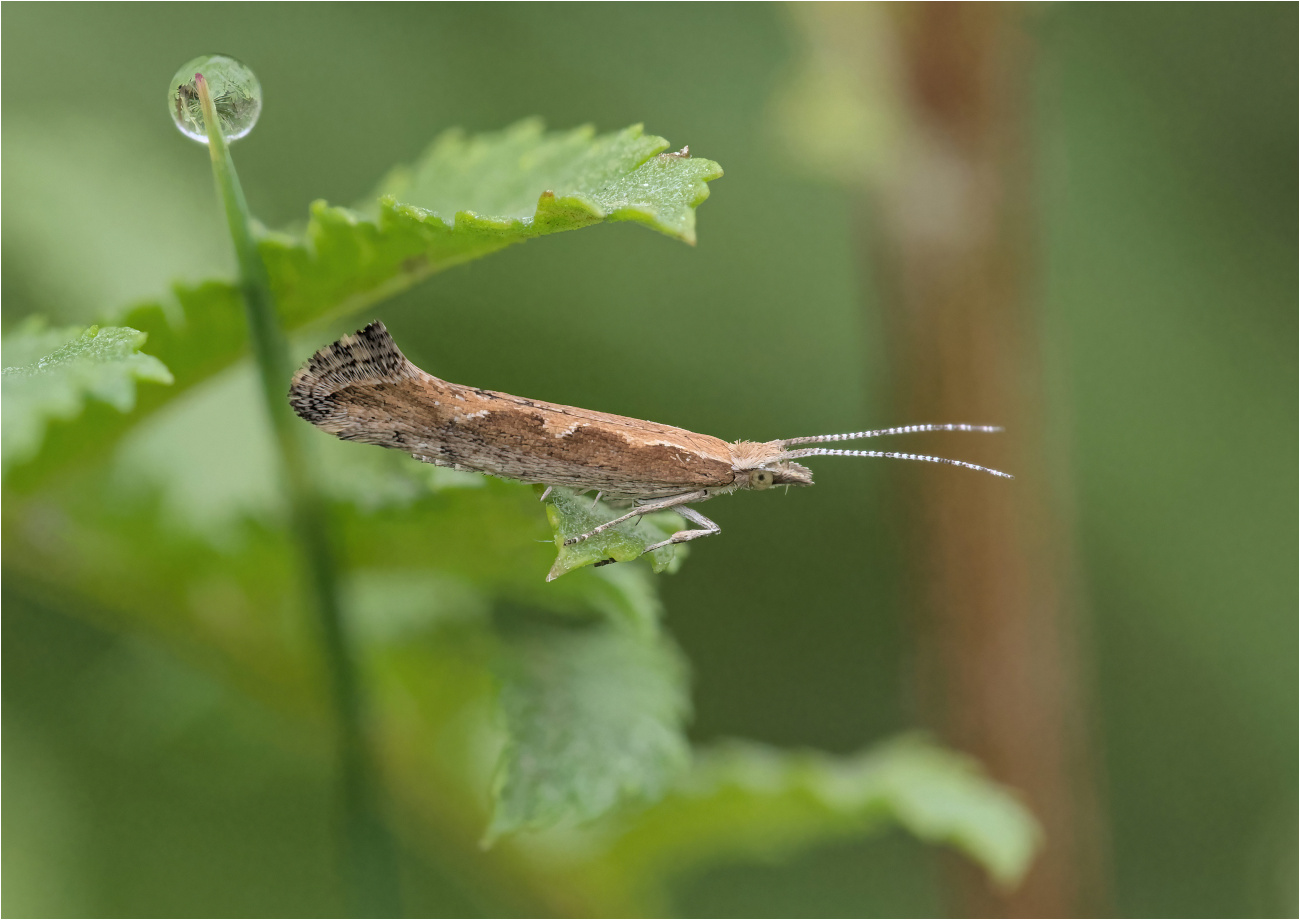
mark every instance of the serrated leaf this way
{"type": "Point", "coordinates": [562, 180]}
{"type": "Point", "coordinates": [50, 373]}
{"type": "Point", "coordinates": [745, 799]}
{"type": "Point", "coordinates": [466, 198]}
{"type": "Point", "coordinates": [594, 719]}
{"type": "Point", "coordinates": [571, 515]}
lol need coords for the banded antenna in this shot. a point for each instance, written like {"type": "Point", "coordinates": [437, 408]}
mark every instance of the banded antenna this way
{"type": "Point", "coordinates": [881, 432]}
{"type": "Point", "coordinates": [889, 455]}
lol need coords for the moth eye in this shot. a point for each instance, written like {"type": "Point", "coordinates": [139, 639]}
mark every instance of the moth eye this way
{"type": "Point", "coordinates": [760, 479]}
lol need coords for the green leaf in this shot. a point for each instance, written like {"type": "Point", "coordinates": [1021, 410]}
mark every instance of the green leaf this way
{"type": "Point", "coordinates": [744, 799]}
{"type": "Point", "coordinates": [594, 719]}
{"type": "Point", "coordinates": [129, 549]}
{"type": "Point", "coordinates": [562, 180]}
{"type": "Point", "coordinates": [49, 374]}
{"type": "Point", "coordinates": [494, 537]}
{"type": "Point", "coordinates": [571, 514]}
{"type": "Point", "coordinates": [470, 197]}
{"type": "Point", "coordinates": [466, 198]}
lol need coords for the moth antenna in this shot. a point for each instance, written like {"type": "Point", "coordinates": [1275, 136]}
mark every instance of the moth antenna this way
{"type": "Point", "coordinates": [881, 432]}
{"type": "Point", "coordinates": [890, 455]}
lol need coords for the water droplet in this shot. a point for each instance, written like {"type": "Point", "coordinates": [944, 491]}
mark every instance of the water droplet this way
{"type": "Point", "coordinates": [235, 92]}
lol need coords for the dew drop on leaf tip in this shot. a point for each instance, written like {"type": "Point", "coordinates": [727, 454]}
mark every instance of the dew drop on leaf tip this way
{"type": "Point", "coordinates": [235, 92]}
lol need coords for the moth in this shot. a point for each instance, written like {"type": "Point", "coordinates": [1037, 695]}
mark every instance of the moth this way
{"type": "Point", "coordinates": [362, 388]}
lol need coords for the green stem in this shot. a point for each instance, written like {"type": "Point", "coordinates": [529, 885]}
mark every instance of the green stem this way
{"type": "Point", "coordinates": [368, 863]}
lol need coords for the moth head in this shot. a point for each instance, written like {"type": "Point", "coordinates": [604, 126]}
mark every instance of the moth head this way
{"type": "Point", "coordinates": [779, 473]}
{"type": "Point", "coordinates": [759, 465]}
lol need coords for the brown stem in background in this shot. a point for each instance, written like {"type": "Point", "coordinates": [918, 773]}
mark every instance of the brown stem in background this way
{"type": "Point", "coordinates": [952, 231]}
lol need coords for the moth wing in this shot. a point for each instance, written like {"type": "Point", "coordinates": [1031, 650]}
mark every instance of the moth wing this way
{"type": "Point", "coordinates": [362, 388]}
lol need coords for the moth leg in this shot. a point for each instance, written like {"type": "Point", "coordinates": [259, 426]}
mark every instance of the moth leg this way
{"type": "Point", "coordinates": [662, 504]}
{"type": "Point", "coordinates": [682, 536]}
{"type": "Point", "coordinates": [597, 501]}
{"type": "Point", "coordinates": [546, 493]}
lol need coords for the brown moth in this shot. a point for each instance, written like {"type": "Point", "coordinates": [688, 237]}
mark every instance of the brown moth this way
{"type": "Point", "coordinates": [362, 388]}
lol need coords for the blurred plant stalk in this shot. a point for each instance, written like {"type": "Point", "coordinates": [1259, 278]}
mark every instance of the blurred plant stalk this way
{"type": "Point", "coordinates": [923, 109]}
{"type": "Point", "coordinates": [367, 861]}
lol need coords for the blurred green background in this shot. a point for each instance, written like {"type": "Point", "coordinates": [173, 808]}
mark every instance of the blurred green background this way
{"type": "Point", "coordinates": [145, 781]}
